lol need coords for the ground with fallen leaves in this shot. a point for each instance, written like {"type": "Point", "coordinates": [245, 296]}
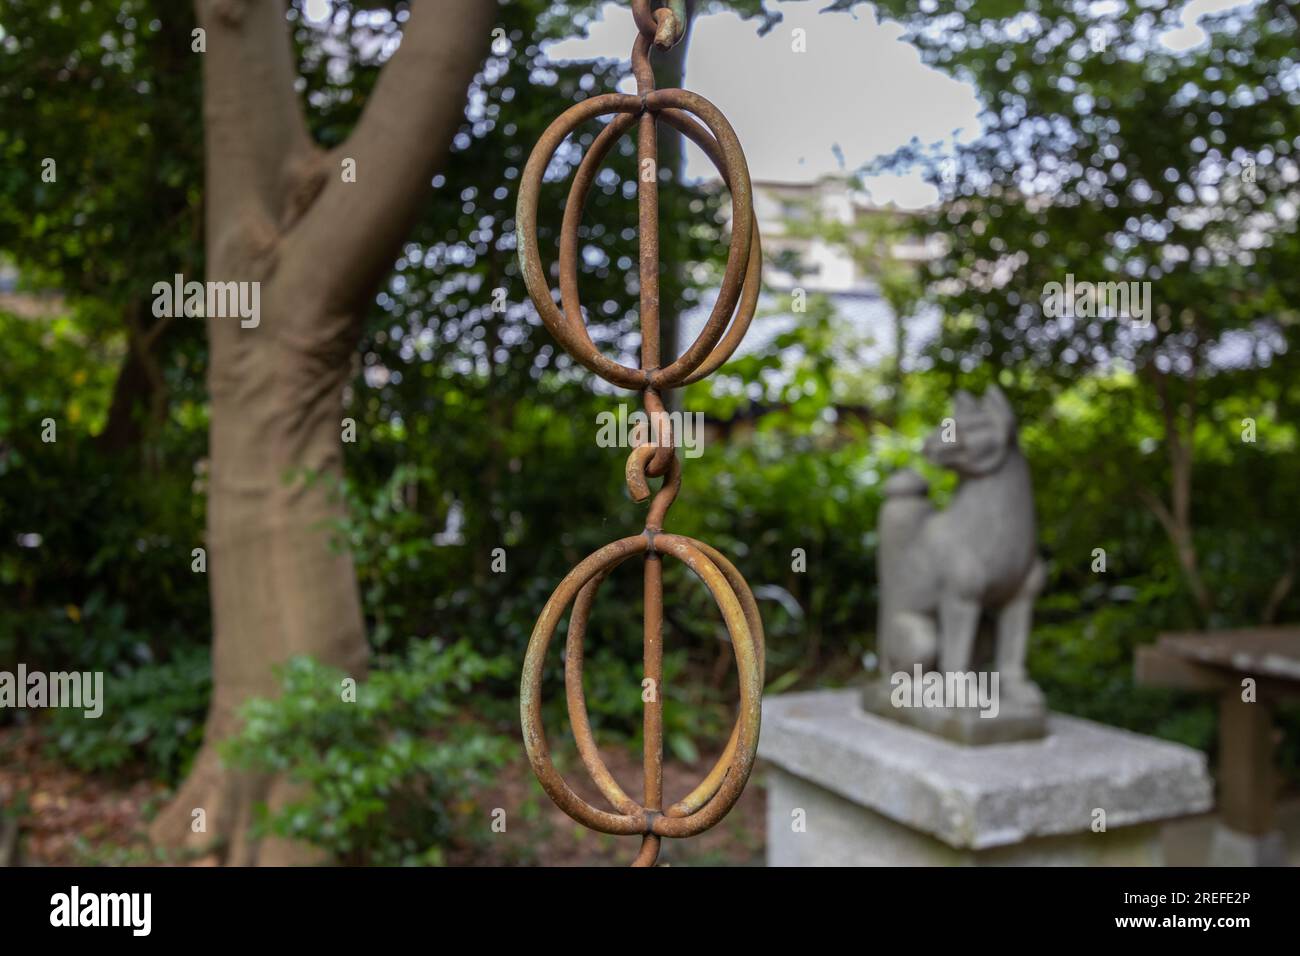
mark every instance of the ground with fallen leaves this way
{"type": "Point", "coordinates": [74, 818]}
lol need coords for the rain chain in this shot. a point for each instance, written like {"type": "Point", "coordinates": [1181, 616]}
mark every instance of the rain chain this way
{"type": "Point", "coordinates": [698, 119]}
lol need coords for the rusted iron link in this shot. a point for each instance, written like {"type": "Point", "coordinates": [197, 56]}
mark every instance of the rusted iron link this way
{"type": "Point", "coordinates": [665, 26]}
{"type": "Point", "coordinates": [655, 454]}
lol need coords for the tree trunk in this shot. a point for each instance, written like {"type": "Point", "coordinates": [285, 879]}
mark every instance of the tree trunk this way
{"type": "Point", "coordinates": [280, 213]}
{"type": "Point", "coordinates": [139, 402]}
{"type": "Point", "coordinates": [1176, 517]}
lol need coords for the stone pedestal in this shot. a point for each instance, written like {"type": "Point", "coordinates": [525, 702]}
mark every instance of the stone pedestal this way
{"type": "Point", "coordinates": [848, 788]}
{"type": "Point", "coordinates": [1229, 847]}
{"type": "Point", "coordinates": [1014, 719]}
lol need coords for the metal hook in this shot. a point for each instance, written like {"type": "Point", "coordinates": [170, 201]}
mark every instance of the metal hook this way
{"type": "Point", "coordinates": [665, 26]}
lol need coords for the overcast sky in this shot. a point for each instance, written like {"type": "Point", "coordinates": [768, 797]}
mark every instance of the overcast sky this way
{"type": "Point", "coordinates": [859, 90]}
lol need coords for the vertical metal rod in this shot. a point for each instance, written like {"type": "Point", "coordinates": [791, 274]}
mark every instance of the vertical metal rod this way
{"type": "Point", "coordinates": [647, 190]}
{"type": "Point", "coordinates": [647, 164]}
{"type": "Point", "coordinates": [654, 672]}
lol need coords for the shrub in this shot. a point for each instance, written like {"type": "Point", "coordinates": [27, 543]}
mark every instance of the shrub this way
{"type": "Point", "coordinates": [384, 773]}
{"type": "Point", "coordinates": [153, 716]}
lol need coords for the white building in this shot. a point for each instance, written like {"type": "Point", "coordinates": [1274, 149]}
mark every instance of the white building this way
{"type": "Point", "coordinates": [823, 267]}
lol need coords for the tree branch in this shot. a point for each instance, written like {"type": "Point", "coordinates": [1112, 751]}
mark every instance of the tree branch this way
{"type": "Point", "coordinates": [1281, 588]}
{"type": "Point", "coordinates": [1159, 509]}
{"type": "Point", "coordinates": [347, 239]}
{"type": "Point", "coordinates": [253, 120]}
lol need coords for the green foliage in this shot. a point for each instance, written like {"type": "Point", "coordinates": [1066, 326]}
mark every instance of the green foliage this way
{"type": "Point", "coordinates": [1124, 163]}
{"type": "Point", "coordinates": [153, 718]}
{"type": "Point", "coordinates": [110, 92]}
{"type": "Point", "coordinates": [95, 568]}
{"type": "Point", "coordinates": [762, 499]}
{"type": "Point", "coordinates": [1084, 663]}
{"type": "Point", "coordinates": [383, 776]}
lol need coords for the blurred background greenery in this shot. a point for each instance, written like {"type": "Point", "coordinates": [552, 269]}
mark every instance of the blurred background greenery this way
{"type": "Point", "coordinates": [474, 434]}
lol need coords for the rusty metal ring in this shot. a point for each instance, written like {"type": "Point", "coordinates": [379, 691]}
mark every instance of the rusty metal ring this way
{"type": "Point", "coordinates": [697, 797]}
{"type": "Point", "coordinates": [719, 141]}
{"type": "Point", "coordinates": [715, 796]}
{"type": "Point", "coordinates": [580, 721]}
{"type": "Point", "coordinates": [583, 179]}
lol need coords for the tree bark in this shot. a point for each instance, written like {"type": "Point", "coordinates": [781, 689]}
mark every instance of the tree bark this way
{"type": "Point", "coordinates": [279, 212]}
{"type": "Point", "coordinates": [139, 402]}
